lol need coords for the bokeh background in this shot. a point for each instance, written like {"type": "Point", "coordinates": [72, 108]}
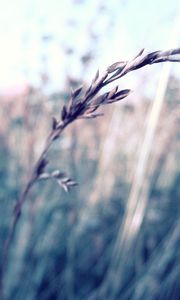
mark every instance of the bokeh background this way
{"type": "Point", "coordinates": [115, 235]}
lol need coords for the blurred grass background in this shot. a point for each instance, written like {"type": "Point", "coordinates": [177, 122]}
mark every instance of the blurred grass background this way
{"type": "Point", "coordinates": [116, 235]}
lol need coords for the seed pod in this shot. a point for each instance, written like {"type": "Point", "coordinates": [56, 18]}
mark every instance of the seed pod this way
{"type": "Point", "coordinates": [119, 96]}
{"type": "Point", "coordinates": [116, 66]}
{"type": "Point", "coordinates": [96, 77]}
{"type": "Point", "coordinates": [140, 53]}
{"type": "Point", "coordinates": [75, 93]}
{"type": "Point", "coordinates": [41, 166]}
{"type": "Point", "coordinates": [112, 92]}
{"type": "Point", "coordinates": [58, 174]}
{"type": "Point", "coordinates": [54, 123]}
{"type": "Point", "coordinates": [44, 176]}
{"type": "Point", "coordinates": [122, 94]}
{"type": "Point", "coordinates": [64, 113]}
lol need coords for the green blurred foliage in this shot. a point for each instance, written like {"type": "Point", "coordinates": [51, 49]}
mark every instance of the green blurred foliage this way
{"type": "Point", "coordinates": [63, 247]}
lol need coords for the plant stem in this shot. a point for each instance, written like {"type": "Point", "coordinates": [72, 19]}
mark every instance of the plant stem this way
{"type": "Point", "coordinates": [20, 201]}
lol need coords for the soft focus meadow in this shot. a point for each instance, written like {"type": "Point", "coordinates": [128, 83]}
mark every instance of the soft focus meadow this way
{"type": "Point", "coordinates": [116, 235]}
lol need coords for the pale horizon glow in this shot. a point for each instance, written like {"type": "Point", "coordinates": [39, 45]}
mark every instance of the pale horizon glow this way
{"type": "Point", "coordinates": [124, 28]}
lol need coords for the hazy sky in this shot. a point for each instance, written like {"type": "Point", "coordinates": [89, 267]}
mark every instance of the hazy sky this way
{"type": "Point", "coordinates": [123, 27]}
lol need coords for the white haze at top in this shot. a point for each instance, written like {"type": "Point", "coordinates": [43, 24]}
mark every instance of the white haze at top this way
{"type": "Point", "coordinates": [123, 28]}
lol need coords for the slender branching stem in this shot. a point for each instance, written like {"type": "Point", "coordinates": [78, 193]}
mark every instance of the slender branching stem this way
{"type": "Point", "coordinates": [82, 105]}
